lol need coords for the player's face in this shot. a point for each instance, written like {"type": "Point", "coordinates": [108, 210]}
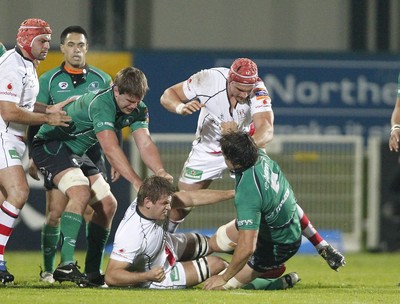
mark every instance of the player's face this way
{"type": "Point", "coordinates": [126, 103]}
{"type": "Point", "coordinates": [40, 47]}
{"type": "Point", "coordinates": [161, 207]}
{"type": "Point", "coordinates": [239, 91]}
{"type": "Point", "coordinates": [74, 49]}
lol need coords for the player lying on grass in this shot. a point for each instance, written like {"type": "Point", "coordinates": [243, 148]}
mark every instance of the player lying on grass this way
{"type": "Point", "coordinates": [146, 255]}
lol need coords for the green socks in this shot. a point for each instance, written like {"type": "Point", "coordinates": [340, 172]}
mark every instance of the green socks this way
{"type": "Point", "coordinates": [265, 284]}
{"type": "Point", "coordinates": [49, 238]}
{"type": "Point", "coordinates": [70, 225]}
{"type": "Point", "coordinates": [97, 237]}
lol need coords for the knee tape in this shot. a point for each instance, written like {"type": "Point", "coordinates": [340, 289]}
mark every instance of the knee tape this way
{"type": "Point", "coordinates": [73, 177]}
{"type": "Point", "coordinates": [223, 241]}
{"type": "Point", "coordinates": [101, 189]}
{"type": "Point", "coordinates": [201, 246]}
{"type": "Point", "coordinates": [202, 269]}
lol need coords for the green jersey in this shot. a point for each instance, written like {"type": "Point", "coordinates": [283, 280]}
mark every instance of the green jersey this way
{"type": "Point", "coordinates": [2, 49]}
{"type": "Point", "coordinates": [92, 113]}
{"type": "Point", "coordinates": [57, 84]}
{"type": "Point", "coordinates": [265, 201]}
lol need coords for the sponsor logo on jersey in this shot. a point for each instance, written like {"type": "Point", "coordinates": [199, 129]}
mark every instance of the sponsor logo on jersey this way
{"type": "Point", "coordinates": [192, 173]}
{"type": "Point", "coordinates": [9, 86]}
{"type": "Point", "coordinates": [63, 85]}
{"type": "Point", "coordinates": [93, 86]}
{"type": "Point", "coordinates": [174, 275]}
{"type": "Point", "coordinates": [245, 222]}
{"type": "Point", "coordinates": [14, 154]}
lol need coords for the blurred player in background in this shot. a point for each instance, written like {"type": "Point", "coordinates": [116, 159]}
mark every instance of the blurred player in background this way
{"type": "Point", "coordinates": [74, 77]}
{"type": "Point", "coordinates": [57, 153]}
{"type": "Point", "coordinates": [228, 99]}
{"type": "Point", "coordinates": [2, 49]}
{"type": "Point", "coordinates": [18, 89]}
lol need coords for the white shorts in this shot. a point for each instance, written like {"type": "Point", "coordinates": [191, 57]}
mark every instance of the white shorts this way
{"type": "Point", "coordinates": [12, 149]}
{"type": "Point", "coordinates": [202, 165]}
{"type": "Point", "coordinates": [175, 279]}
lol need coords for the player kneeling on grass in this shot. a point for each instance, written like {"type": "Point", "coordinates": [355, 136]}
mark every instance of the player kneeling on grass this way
{"type": "Point", "coordinates": [268, 231]}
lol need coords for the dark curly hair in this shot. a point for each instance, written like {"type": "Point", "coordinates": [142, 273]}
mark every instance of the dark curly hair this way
{"type": "Point", "coordinates": [240, 149]}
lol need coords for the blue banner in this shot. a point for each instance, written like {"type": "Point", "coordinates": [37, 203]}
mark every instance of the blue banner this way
{"type": "Point", "coordinates": [311, 93]}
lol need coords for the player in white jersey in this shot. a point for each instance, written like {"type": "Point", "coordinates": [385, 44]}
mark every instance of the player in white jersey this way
{"type": "Point", "coordinates": [146, 255]}
{"type": "Point", "coordinates": [18, 89]}
{"type": "Point", "coordinates": [232, 98]}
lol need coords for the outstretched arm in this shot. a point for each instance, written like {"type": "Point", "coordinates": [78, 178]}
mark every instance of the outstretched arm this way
{"type": "Point", "coordinates": [149, 153]}
{"type": "Point", "coordinates": [117, 158]}
{"type": "Point", "coordinates": [194, 198]}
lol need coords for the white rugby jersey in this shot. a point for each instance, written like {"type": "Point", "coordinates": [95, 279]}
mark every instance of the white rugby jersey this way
{"type": "Point", "coordinates": [142, 243]}
{"type": "Point", "coordinates": [210, 88]}
{"type": "Point", "coordinates": [18, 84]}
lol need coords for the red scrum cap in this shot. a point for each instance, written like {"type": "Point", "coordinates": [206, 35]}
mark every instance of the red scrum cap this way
{"type": "Point", "coordinates": [29, 30]}
{"type": "Point", "coordinates": [244, 71]}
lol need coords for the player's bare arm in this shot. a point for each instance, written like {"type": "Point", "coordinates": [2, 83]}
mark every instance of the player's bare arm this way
{"type": "Point", "coordinates": [11, 112]}
{"type": "Point", "coordinates": [395, 130]}
{"type": "Point", "coordinates": [175, 101]}
{"type": "Point", "coordinates": [118, 274]}
{"type": "Point", "coordinates": [149, 153]}
{"type": "Point", "coordinates": [264, 125]}
{"type": "Point", "coordinates": [194, 198]}
{"type": "Point", "coordinates": [246, 245]}
{"type": "Point", "coordinates": [116, 157]}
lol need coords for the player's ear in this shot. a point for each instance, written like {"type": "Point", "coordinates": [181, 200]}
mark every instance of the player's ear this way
{"type": "Point", "coordinates": [62, 48]}
{"type": "Point", "coordinates": [147, 203]}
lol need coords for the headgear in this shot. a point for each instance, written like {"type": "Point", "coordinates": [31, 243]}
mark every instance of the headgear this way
{"type": "Point", "coordinates": [29, 30]}
{"type": "Point", "coordinates": [244, 71]}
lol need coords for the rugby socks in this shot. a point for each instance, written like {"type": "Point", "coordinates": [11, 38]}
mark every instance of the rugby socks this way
{"type": "Point", "coordinates": [265, 284]}
{"type": "Point", "coordinates": [97, 237]}
{"type": "Point", "coordinates": [309, 231]}
{"type": "Point", "coordinates": [70, 225]}
{"type": "Point", "coordinates": [8, 217]}
{"type": "Point", "coordinates": [50, 236]}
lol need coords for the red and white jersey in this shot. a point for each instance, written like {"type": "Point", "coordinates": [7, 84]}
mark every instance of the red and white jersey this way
{"type": "Point", "coordinates": [210, 88]}
{"type": "Point", "coordinates": [18, 84]}
{"type": "Point", "coordinates": [143, 243]}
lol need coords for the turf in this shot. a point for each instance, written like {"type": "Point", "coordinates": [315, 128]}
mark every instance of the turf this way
{"type": "Point", "coordinates": [367, 278]}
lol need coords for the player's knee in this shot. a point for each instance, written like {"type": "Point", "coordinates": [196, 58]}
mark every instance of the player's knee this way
{"type": "Point", "coordinates": [202, 269]}
{"type": "Point", "coordinates": [101, 190]}
{"type": "Point", "coordinates": [73, 177]}
{"type": "Point", "coordinates": [223, 241]}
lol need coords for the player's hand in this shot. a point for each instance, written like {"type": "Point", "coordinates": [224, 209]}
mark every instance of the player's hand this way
{"type": "Point", "coordinates": [394, 140]}
{"type": "Point", "coordinates": [228, 126]}
{"type": "Point", "coordinates": [156, 274]}
{"type": "Point", "coordinates": [58, 119]}
{"type": "Point", "coordinates": [58, 108]}
{"type": "Point", "coordinates": [32, 169]}
{"type": "Point", "coordinates": [191, 107]}
{"type": "Point", "coordinates": [165, 174]}
{"type": "Point", "coordinates": [214, 283]}
{"type": "Point", "coordinates": [115, 175]}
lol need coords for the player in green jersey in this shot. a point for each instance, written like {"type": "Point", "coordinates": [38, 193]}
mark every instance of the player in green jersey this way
{"type": "Point", "coordinates": [74, 77]}
{"type": "Point", "coordinates": [267, 219]}
{"type": "Point", "coordinates": [96, 117]}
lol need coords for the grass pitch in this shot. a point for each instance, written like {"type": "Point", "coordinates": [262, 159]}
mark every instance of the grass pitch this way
{"type": "Point", "coordinates": [367, 278]}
